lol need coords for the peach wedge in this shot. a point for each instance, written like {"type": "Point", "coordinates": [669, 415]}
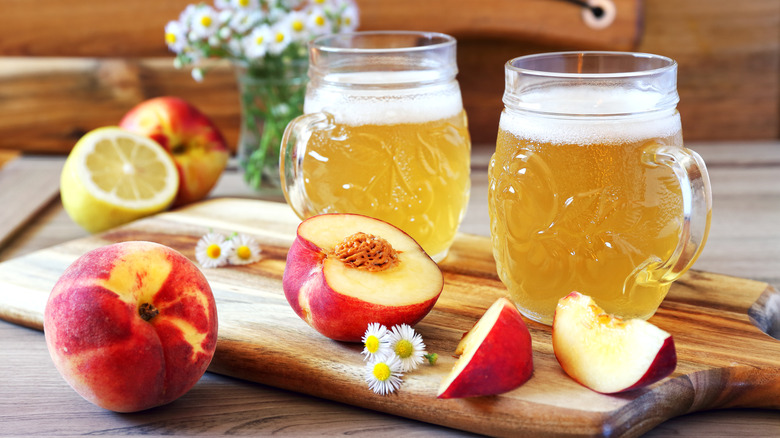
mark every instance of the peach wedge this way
{"type": "Point", "coordinates": [608, 354]}
{"type": "Point", "coordinates": [495, 355]}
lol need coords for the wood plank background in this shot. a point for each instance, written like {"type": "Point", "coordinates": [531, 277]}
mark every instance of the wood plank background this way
{"type": "Point", "coordinates": [68, 66]}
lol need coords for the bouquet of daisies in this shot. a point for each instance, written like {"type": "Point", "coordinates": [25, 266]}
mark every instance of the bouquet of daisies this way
{"type": "Point", "coordinates": [266, 40]}
{"type": "Point", "coordinates": [254, 32]}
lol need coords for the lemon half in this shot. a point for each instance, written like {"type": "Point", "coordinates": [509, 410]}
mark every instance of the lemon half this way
{"type": "Point", "coordinates": [113, 176]}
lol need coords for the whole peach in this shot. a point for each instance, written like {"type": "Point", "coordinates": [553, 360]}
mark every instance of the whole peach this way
{"type": "Point", "coordinates": [193, 140]}
{"type": "Point", "coordinates": [131, 325]}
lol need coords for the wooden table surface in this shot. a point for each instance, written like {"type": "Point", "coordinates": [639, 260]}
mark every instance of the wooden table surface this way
{"type": "Point", "coordinates": [34, 400]}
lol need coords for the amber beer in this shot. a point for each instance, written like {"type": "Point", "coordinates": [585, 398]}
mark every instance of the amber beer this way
{"type": "Point", "coordinates": [574, 212]}
{"type": "Point", "coordinates": [404, 159]}
{"type": "Point", "coordinates": [590, 187]}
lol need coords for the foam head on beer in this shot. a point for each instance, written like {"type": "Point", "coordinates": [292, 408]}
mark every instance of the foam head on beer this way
{"type": "Point", "coordinates": [577, 115]}
{"type": "Point", "coordinates": [376, 106]}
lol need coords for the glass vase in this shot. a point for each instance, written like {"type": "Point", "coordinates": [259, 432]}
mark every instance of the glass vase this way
{"type": "Point", "coordinates": [271, 96]}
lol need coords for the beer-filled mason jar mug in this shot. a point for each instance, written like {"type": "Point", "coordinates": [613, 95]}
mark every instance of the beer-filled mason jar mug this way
{"type": "Point", "coordinates": [383, 134]}
{"type": "Point", "coordinates": [590, 187]}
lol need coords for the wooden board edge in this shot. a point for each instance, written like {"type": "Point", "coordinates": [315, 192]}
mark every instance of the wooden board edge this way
{"type": "Point", "coordinates": [765, 312]}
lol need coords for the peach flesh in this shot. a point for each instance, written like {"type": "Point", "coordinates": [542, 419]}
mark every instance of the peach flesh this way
{"type": "Point", "coordinates": [605, 353]}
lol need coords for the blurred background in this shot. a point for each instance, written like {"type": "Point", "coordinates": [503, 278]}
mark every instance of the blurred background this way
{"type": "Point", "coordinates": [69, 66]}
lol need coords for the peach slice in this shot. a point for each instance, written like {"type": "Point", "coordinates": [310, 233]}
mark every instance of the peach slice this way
{"type": "Point", "coordinates": [345, 271]}
{"type": "Point", "coordinates": [495, 355]}
{"type": "Point", "coordinates": [608, 354]}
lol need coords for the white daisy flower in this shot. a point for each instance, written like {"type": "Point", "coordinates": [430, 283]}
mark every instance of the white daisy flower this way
{"type": "Point", "coordinates": [245, 4]}
{"type": "Point", "coordinates": [384, 375]}
{"type": "Point", "coordinates": [224, 16]}
{"type": "Point", "coordinates": [275, 15]}
{"type": "Point", "coordinates": [186, 15]}
{"type": "Point", "coordinates": [408, 346]}
{"type": "Point", "coordinates": [243, 21]}
{"type": "Point", "coordinates": [236, 47]}
{"type": "Point", "coordinates": [243, 250]}
{"type": "Point", "coordinates": [257, 43]}
{"type": "Point", "coordinates": [197, 74]}
{"type": "Point", "coordinates": [296, 26]}
{"type": "Point", "coordinates": [317, 21]}
{"type": "Point", "coordinates": [375, 342]}
{"type": "Point", "coordinates": [280, 38]}
{"type": "Point", "coordinates": [211, 250]}
{"type": "Point", "coordinates": [175, 36]}
{"type": "Point", "coordinates": [205, 22]}
{"type": "Point", "coordinates": [350, 17]}
{"type": "Point", "coordinates": [214, 41]}
{"type": "Point", "coordinates": [222, 4]}
{"type": "Point", "coordinates": [225, 33]}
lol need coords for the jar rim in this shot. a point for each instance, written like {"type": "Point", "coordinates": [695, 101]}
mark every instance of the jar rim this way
{"type": "Point", "coordinates": [665, 64]}
{"type": "Point", "coordinates": [431, 40]}
{"type": "Point", "coordinates": [589, 83]}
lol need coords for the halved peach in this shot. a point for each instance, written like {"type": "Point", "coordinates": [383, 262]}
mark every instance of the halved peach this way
{"type": "Point", "coordinates": [495, 355]}
{"type": "Point", "coordinates": [608, 354]}
{"type": "Point", "coordinates": [345, 271]}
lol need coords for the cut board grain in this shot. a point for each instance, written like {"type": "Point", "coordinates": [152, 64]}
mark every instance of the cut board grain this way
{"type": "Point", "coordinates": [723, 359]}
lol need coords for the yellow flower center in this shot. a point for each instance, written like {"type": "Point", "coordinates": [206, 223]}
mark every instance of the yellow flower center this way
{"type": "Point", "coordinates": [372, 344]}
{"type": "Point", "coordinates": [381, 371]}
{"type": "Point", "coordinates": [205, 21]}
{"type": "Point", "coordinates": [320, 20]}
{"type": "Point", "coordinates": [279, 37]}
{"type": "Point", "coordinates": [319, 1]}
{"type": "Point", "coordinates": [213, 251]}
{"type": "Point", "coordinates": [348, 21]}
{"type": "Point", "coordinates": [170, 38]}
{"type": "Point", "coordinates": [259, 40]}
{"type": "Point", "coordinates": [243, 252]}
{"type": "Point", "coordinates": [297, 25]}
{"type": "Point", "coordinates": [243, 3]}
{"type": "Point", "coordinates": [403, 348]}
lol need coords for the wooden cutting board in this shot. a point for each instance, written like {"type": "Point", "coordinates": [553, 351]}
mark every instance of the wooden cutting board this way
{"type": "Point", "coordinates": [724, 360]}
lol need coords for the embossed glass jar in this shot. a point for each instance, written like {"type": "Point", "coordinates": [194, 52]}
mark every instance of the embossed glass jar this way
{"type": "Point", "coordinates": [590, 187]}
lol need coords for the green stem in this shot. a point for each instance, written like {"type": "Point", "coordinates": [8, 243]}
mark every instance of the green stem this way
{"type": "Point", "coordinates": [271, 97]}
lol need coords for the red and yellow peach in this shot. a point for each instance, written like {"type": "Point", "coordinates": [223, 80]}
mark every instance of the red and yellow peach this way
{"type": "Point", "coordinates": [131, 325]}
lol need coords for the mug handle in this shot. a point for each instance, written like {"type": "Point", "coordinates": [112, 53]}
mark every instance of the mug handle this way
{"type": "Point", "coordinates": [690, 171]}
{"type": "Point", "coordinates": [292, 153]}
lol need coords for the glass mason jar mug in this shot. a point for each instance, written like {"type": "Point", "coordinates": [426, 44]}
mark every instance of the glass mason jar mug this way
{"type": "Point", "coordinates": [383, 134]}
{"type": "Point", "coordinates": [590, 187]}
